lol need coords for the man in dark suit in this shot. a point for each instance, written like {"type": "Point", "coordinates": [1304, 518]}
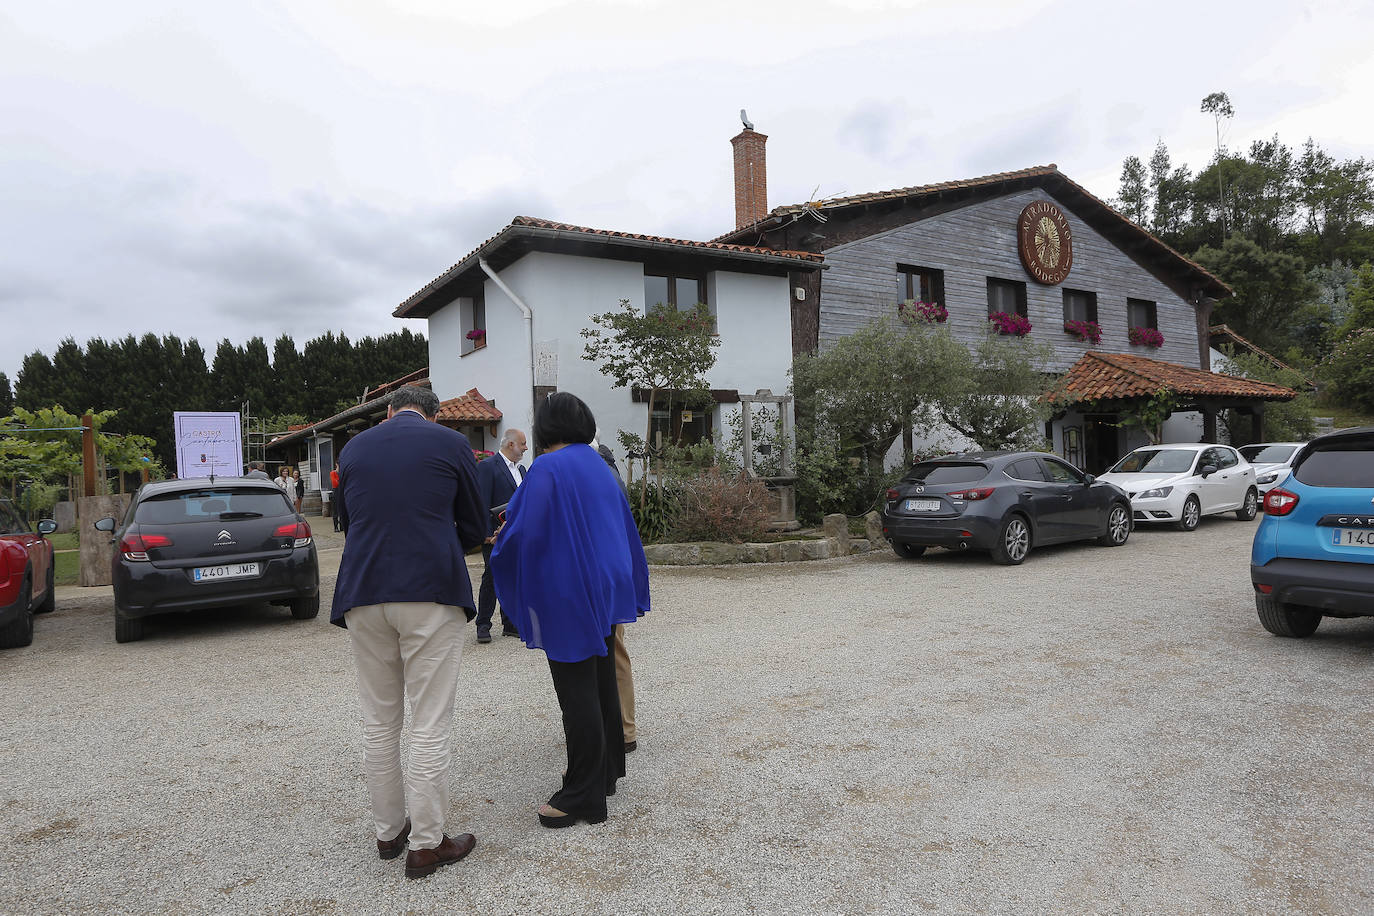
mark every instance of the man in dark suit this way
{"type": "Point", "coordinates": [407, 501]}
{"type": "Point", "coordinates": [497, 478]}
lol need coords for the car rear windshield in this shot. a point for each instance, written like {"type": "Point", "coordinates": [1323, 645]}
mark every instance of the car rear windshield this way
{"type": "Point", "coordinates": [934, 472]}
{"type": "Point", "coordinates": [1156, 461]}
{"type": "Point", "coordinates": [1341, 464]}
{"type": "Point", "coordinates": [1267, 454]}
{"type": "Point", "coordinates": [210, 503]}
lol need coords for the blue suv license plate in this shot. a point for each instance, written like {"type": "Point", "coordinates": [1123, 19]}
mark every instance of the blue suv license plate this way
{"type": "Point", "coordinates": [1352, 537]}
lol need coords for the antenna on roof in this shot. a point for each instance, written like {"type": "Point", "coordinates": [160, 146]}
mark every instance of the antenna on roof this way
{"type": "Point", "coordinates": [744, 116]}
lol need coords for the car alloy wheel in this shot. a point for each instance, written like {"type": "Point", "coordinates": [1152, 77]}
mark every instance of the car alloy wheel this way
{"type": "Point", "coordinates": [1192, 514]}
{"type": "Point", "coordinates": [1118, 527]}
{"type": "Point", "coordinates": [1013, 543]}
{"type": "Point", "coordinates": [20, 633]}
{"type": "Point", "coordinates": [1248, 510]}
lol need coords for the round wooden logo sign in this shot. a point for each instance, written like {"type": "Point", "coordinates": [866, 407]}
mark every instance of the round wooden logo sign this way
{"type": "Point", "coordinates": [1042, 235]}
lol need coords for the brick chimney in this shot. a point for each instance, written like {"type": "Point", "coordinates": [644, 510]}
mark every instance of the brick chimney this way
{"type": "Point", "coordinates": [751, 177]}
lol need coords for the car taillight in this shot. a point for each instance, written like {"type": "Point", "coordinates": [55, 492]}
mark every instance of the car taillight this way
{"type": "Point", "coordinates": [892, 494]}
{"type": "Point", "coordinates": [136, 546]}
{"type": "Point", "coordinates": [1279, 501]}
{"type": "Point", "coordinates": [973, 494]}
{"type": "Point", "coordinates": [300, 531]}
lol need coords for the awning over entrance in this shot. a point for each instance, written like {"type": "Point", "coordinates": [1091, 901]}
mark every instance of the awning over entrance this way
{"type": "Point", "coordinates": [1117, 381]}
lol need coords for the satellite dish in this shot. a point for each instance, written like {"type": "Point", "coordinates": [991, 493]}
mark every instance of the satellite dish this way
{"type": "Point", "coordinates": [744, 116]}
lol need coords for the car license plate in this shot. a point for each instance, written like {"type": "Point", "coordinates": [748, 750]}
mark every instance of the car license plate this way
{"type": "Point", "coordinates": [922, 505]}
{"type": "Point", "coordinates": [1353, 537]}
{"type": "Point", "coordinates": [230, 571]}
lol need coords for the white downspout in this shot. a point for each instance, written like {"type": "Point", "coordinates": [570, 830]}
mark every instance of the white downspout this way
{"type": "Point", "coordinates": [525, 312]}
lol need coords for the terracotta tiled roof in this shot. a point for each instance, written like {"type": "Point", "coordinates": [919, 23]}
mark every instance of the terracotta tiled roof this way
{"type": "Point", "coordinates": [414, 378]}
{"type": "Point", "coordinates": [1047, 172]}
{"type": "Point", "coordinates": [469, 408]}
{"type": "Point", "coordinates": [1221, 334]}
{"type": "Point", "coordinates": [533, 226]}
{"type": "Point", "coordinates": [1101, 376]}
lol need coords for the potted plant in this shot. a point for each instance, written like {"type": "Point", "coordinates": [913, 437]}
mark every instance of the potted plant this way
{"type": "Point", "coordinates": [1084, 331]}
{"type": "Point", "coordinates": [1010, 323]}
{"type": "Point", "coordinates": [1145, 337]}
{"type": "Point", "coordinates": [478, 336]}
{"type": "Point", "coordinates": [915, 309]}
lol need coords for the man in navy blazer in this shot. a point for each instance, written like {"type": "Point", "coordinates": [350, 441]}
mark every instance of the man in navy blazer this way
{"type": "Point", "coordinates": [408, 504]}
{"type": "Point", "coordinates": [497, 478]}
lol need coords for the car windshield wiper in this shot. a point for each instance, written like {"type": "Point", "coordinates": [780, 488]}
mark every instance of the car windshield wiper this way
{"type": "Point", "coordinates": [240, 515]}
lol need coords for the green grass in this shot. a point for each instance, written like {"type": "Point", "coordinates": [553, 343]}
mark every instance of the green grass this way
{"type": "Point", "coordinates": [66, 541]}
{"type": "Point", "coordinates": [66, 568]}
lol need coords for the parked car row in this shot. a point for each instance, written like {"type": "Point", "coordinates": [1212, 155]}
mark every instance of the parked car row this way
{"type": "Point", "coordinates": [26, 575]}
{"type": "Point", "coordinates": [1312, 556]}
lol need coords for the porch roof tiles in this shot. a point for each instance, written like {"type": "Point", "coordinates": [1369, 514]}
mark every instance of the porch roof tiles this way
{"type": "Point", "coordinates": [1101, 376]}
{"type": "Point", "coordinates": [471, 407]}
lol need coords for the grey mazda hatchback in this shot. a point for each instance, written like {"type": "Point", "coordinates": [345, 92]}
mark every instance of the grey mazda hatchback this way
{"type": "Point", "coordinates": [185, 545]}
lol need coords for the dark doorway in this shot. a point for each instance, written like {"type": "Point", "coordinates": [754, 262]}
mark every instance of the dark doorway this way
{"type": "Point", "coordinates": [1101, 442]}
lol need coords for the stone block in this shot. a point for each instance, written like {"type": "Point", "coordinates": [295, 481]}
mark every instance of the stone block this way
{"type": "Point", "coordinates": [792, 551]}
{"type": "Point", "coordinates": [821, 549]}
{"type": "Point", "coordinates": [775, 552]}
{"type": "Point", "coordinates": [754, 553]}
{"type": "Point", "coordinates": [873, 528]}
{"type": "Point", "coordinates": [96, 550]}
{"type": "Point", "coordinates": [836, 528]}
{"type": "Point", "coordinates": [714, 553]}
{"type": "Point", "coordinates": [673, 554]}
{"type": "Point", "coordinates": [859, 545]}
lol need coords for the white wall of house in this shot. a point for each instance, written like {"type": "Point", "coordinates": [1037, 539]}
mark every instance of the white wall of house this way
{"type": "Point", "coordinates": [564, 291]}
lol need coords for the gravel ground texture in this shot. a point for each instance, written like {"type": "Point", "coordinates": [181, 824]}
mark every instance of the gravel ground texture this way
{"type": "Point", "coordinates": [1099, 730]}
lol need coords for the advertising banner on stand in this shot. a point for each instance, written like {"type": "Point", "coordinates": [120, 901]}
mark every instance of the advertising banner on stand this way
{"type": "Point", "coordinates": [208, 444]}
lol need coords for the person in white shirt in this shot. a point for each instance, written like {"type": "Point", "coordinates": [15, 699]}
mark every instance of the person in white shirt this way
{"type": "Point", "coordinates": [497, 478]}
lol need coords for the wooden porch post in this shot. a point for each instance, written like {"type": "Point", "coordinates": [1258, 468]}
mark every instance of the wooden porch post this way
{"type": "Point", "coordinates": [1209, 423]}
{"type": "Point", "coordinates": [1257, 423]}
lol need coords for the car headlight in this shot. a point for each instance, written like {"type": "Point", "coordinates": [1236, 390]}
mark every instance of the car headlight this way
{"type": "Point", "coordinates": [1268, 478]}
{"type": "Point", "coordinates": [1156, 493]}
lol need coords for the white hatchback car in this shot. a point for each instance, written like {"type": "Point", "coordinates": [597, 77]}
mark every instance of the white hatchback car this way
{"type": "Point", "coordinates": [1182, 483]}
{"type": "Point", "coordinates": [1273, 462]}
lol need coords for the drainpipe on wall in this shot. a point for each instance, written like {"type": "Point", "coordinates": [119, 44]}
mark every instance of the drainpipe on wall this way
{"type": "Point", "coordinates": [529, 322]}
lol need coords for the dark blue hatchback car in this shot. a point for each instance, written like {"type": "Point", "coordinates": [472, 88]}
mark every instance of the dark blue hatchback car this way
{"type": "Point", "coordinates": [1002, 502]}
{"type": "Point", "coordinates": [1313, 554]}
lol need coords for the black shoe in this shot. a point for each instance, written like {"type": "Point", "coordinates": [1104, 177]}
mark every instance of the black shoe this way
{"type": "Point", "coordinates": [484, 635]}
{"type": "Point", "coordinates": [509, 632]}
{"type": "Point", "coordinates": [630, 746]}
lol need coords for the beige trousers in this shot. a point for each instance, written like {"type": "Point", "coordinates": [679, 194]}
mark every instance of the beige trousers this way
{"type": "Point", "coordinates": [409, 649]}
{"type": "Point", "coordinates": [625, 683]}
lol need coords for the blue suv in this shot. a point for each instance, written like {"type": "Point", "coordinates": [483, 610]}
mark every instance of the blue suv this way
{"type": "Point", "coordinates": [1313, 554]}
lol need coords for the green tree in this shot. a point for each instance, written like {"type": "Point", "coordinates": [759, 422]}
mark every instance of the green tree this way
{"type": "Point", "coordinates": [663, 351]}
{"type": "Point", "coordinates": [6, 395]}
{"type": "Point", "coordinates": [1001, 407]}
{"type": "Point", "coordinates": [1284, 421]}
{"type": "Point", "coordinates": [1269, 288]}
{"type": "Point", "coordinates": [1133, 196]}
{"type": "Point", "coordinates": [1218, 105]}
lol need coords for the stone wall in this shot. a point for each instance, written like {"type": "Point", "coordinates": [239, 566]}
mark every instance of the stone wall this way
{"type": "Point", "coordinates": [837, 542]}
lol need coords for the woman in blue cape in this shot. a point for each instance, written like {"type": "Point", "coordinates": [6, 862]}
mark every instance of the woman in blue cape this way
{"type": "Point", "coordinates": [568, 566]}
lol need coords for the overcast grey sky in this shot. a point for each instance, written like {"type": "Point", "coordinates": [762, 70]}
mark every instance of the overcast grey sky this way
{"type": "Point", "coordinates": [226, 170]}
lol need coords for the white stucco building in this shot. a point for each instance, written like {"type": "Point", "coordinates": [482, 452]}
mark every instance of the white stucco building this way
{"type": "Point", "coordinates": [534, 286]}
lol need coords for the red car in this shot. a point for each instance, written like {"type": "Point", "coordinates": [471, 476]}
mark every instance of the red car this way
{"type": "Point", "coordinates": [26, 586]}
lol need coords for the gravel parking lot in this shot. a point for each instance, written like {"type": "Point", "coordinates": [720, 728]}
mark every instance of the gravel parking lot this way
{"type": "Point", "coordinates": [1096, 731]}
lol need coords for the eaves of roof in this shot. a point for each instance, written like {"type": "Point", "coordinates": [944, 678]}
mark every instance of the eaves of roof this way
{"type": "Point", "coordinates": [1099, 376]}
{"type": "Point", "coordinates": [541, 232]}
{"type": "Point", "coordinates": [1152, 247]}
{"type": "Point", "coordinates": [368, 407]}
{"type": "Point", "coordinates": [1222, 333]}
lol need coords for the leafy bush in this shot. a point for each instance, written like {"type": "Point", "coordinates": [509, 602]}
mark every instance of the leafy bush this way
{"type": "Point", "coordinates": [720, 507]}
{"type": "Point", "coordinates": [655, 516]}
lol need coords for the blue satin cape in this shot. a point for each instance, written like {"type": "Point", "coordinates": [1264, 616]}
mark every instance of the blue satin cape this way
{"type": "Point", "coordinates": [569, 564]}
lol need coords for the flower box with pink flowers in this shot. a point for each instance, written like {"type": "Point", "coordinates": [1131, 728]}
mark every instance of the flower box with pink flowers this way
{"type": "Point", "coordinates": [1145, 337]}
{"type": "Point", "coordinates": [1010, 323]}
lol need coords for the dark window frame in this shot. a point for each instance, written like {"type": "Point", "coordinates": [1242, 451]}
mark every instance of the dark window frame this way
{"type": "Point", "coordinates": [1018, 287]}
{"type": "Point", "coordinates": [672, 279]}
{"type": "Point", "coordinates": [475, 318]}
{"type": "Point", "coordinates": [1090, 311]}
{"type": "Point", "coordinates": [921, 284]}
{"type": "Point", "coordinates": [1151, 310]}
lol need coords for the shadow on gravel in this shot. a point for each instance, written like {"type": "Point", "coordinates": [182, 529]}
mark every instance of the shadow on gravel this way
{"type": "Point", "coordinates": [217, 622]}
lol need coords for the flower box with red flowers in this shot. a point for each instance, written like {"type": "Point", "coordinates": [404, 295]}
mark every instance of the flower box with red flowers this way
{"type": "Point", "coordinates": [1086, 331]}
{"type": "Point", "coordinates": [1010, 323]}
{"type": "Point", "coordinates": [1145, 337]}
{"type": "Point", "coordinates": [914, 309]}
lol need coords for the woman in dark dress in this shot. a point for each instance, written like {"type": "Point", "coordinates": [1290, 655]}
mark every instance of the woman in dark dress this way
{"type": "Point", "coordinates": [569, 566]}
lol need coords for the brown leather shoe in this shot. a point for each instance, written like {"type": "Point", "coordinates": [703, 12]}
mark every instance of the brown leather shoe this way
{"type": "Point", "coordinates": [421, 862]}
{"type": "Point", "coordinates": [390, 849]}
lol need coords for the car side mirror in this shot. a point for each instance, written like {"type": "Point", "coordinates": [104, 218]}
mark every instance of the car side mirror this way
{"type": "Point", "coordinates": [1089, 479]}
{"type": "Point", "coordinates": [46, 527]}
{"type": "Point", "coordinates": [105, 524]}
{"type": "Point", "coordinates": [1207, 471]}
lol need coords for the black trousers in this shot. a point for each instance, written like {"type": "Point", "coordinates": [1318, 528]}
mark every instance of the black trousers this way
{"type": "Point", "coordinates": [591, 726]}
{"type": "Point", "coordinates": [486, 597]}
